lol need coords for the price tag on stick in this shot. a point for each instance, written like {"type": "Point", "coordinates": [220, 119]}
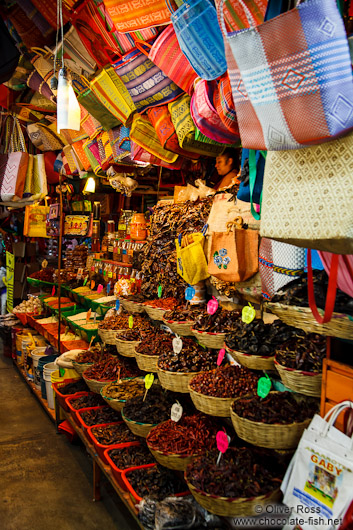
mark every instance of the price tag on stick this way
{"type": "Point", "coordinates": [189, 293]}
{"type": "Point", "coordinates": [264, 385]}
{"type": "Point", "coordinates": [88, 316]}
{"type": "Point", "coordinates": [222, 441]}
{"type": "Point", "coordinates": [149, 378]}
{"type": "Point", "coordinates": [53, 290]}
{"type": "Point", "coordinates": [159, 291]}
{"type": "Point", "coordinates": [212, 306]}
{"type": "Point", "coordinates": [220, 357]}
{"type": "Point", "coordinates": [248, 314]}
{"type": "Point", "coordinates": [108, 288]}
{"type": "Point", "coordinates": [93, 283]}
{"type": "Point", "coordinates": [90, 342]}
{"type": "Point", "coordinates": [131, 322]}
{"type": "Point", "coordinates": [177, 345]}
{"type": "Point", "coordinates": [176, 412]}
{"type": "Point", "coordinates": [85, 280]}
{"type": "Point", "coordinates": [99, 288]}
{"type": "Point", "coordinates": [117, 305]}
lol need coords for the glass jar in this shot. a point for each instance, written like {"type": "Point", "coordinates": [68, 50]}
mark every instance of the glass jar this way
{"type": "Point", "coordinates": [122, 225]}
{"type": "Point", "coordinates": [138, 228]}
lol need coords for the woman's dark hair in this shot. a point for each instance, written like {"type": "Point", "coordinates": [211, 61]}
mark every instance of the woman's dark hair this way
{"type": "Point", "coordinates": [231, 152]}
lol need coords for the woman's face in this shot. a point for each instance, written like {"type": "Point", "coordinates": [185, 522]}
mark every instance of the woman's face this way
{"type": "Point", "coordinates": [223, 165]}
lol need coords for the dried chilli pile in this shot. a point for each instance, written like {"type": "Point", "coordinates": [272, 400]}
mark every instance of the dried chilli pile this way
{"type": "Point", "coordinates": [162, 303]}
{"type": "Point", "coordinates": [155, 408]}
{"type": "Point", "coordinates": [124, 390]}
{"type": "Point", "coordinates": [184, 313]}
{"type": "Point", "coordinates": [192, 358]}
{"type": "Point", "coordinates": [131, 456]}
{"type": "Point", "coordinates": [155, 482]}
{"type": "Point", "coordinates": [258, 338]}
{"type": "Point", "coordinates": [92, 400]}
{"type": "Point", "coordinates": [72, 388]}
{"type": "Point", "coordinates": [226, 382]}
{"type": "Point", "coordinates": [222, 321]}
{"type": "Point", "coordinates": [154, 342]}
{"type": "Point", "coordinates": [242, 472]}
{"type": "Point", "coordinates": [111, 369]}
{"type": "Point", "coordinates": [98, 416]}
{"type": "Point", "coordinates": [303, 352]}
{"type": "Point", "coordinates": [275, 408]}
{"type": "Point", "coordinates": [113, 434]}
{"type": "Point", "coordinates": [159, 254]}
{"type": "Point", "coordinates": [189, 436]}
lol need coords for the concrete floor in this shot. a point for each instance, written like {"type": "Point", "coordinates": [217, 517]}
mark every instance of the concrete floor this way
{"type": "Point", "coordinates": [46, 482]}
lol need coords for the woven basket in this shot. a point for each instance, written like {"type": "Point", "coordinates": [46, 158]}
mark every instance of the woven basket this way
{"type": "Point", "coordinates": [147, 363]}
{"type": "Point", "coordinates": [209, 340]}
{"type": "Point", "coordinates": [176, 381]}
{"type": "Point", "coordinates": [180, 328]}
{"type": "Point", "coordinates": [108, 336]}
{"type": "Point", "coordinates": [232, 507]}
{"type": "Point", "coordinates": [340, 324]}
{"type": "Point", "coordinates": [214, 406]}
{"type": "Point", "coordinates": [94, 385]}
{"type": "Point", "coordinates": [133, 307]}
{"type": "Point", "coordinates": [81, 367]}
{"type": "Point", "coordinates": [140, 429]}
{"type": "Point", "coordinates": [272, 436]}
{"type": "Point", "coordinates": [126, 347]}
{"type": "Point", "coordinates": [308, 383]}
{"type": "Point", "coordinates": [254, 362]}
{"type": "Point", "coordinates": [172, 461]}
{"type": "Point", "coordinates": [116, 404]}
{"type": "Point", "coordinates": [154, 312]}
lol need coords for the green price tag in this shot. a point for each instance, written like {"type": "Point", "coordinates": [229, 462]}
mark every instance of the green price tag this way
{"type": "Point", "coordinates": [85, 280]}
{"type": "Point", "coordinates": [248, 314]}
{"type": "Point", "coordinates": [131, 323]}
{"type": "Point", "coordinates": [264, 386]}
{"type": "Point", "coordinates": [61, 371]}
{"type": "Point", "coordinates": [75, 307]}
{"type": "Point", "coordinates": [159, 291]}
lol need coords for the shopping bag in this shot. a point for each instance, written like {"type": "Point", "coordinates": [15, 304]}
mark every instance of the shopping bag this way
{"type": "Point", "coordinates": [191, 259]}
{"type": "Point", "coordinates": [294, 58]}
{"type": "Point", "coordinates": [130, 16]}
{"type": "Point", "coordinates": [148, 86]}
{"type": "Point", "coordinates": [345, 271]}
{"type": "Point", "coordinates": [252, 177]}
{"type": "Point", "coordinates": [200, 38]}
{"type": "Point", "coordinates": [13, 161]}
{"type": "Point", "coordinates": [143, 133]}
{"type": "Point", "coordinates": [167, 55]}
{"type": "Point", "coordinates": [140, 154]}
{"type": "Point", "coordinates": [45, 137]}
{"type": "Point", "coordinates": [307, 196]}
{"type": "Point", "coordinates": [224, 104]}
{"type": "Point", "coordinates": [279, 264]}
{"type": "Point", "coordinates": [28, 32]}
{"type": "Point", "coordinates": [234, 254]}
{"type": "Point", "coordinates": [35, 221]}
{"type": "Point", "coordinates": [318, 483]}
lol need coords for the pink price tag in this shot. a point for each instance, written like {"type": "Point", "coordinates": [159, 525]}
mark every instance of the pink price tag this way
{"type": "Point", "coordinates": [53, 290]}
{"type": "Point", "coordinates": [220, 357]}
{"type": "Point", "coordinates": [99, 288]}
{"type": "Point", "coordinates": [212, 306]}
{"type": "Point", "coordinates": [222, 441]}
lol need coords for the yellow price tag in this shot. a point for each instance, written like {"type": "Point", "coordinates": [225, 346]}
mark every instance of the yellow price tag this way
{"type": "Point", "coordinates": [131, 323]}
{"type": "Point", "coordinates": [149, 378]}
{"type": "Point", "coordinates": [248, 314]}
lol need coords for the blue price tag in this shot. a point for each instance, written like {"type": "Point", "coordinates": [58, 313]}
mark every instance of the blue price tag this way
{"type": "Point", "coordinates": [189, 293]}
{"type": "Point", "coordinates": [108, 288]}
{"type": "Point", "coordinates": [117, 305]}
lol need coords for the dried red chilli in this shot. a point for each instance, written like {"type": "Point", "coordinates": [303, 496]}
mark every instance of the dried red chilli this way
{"type": "Point", "coordinates": [113, 434]}
{"type": "Point", "coordinates": [226, 382]}
{"type": "Point", "coordinates": [92, 400]}
{"type": "Point", "coordinates": [191, 435]}
{"type": "Point", "coordinates": [88, 356]}
{"type": "Point", "coordinates": [185, 313]}
{"type": "Point", "coordinates": [162, 303]}
{"type": "Point", "coordinates": [111, 369]}
{"type": "Point", "coordinates": [154, 342]}
{"type": "Point", "coordinates": [131, 456]}
{"type": "Point", "coordinates": [98, 416]}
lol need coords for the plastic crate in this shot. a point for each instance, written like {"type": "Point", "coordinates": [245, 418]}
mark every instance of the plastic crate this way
{"type": "Point", "coordinates": [100, 448]}
{"type": "Point", "coordinates": [72, 410]}
{"type": "Point", "coordinates": [62, 397]}
{"type": "Point", "coordinates": [83, 425]}
{"type": "Point", "coordinates": [115, 470]}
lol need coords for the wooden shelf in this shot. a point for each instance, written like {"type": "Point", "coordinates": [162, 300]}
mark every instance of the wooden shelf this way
{"type": "Point", "coordinates": [111, 262]}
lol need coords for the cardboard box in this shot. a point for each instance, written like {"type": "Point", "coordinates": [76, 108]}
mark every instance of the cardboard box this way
{"type": "Point", "coordinates": [20, 269]}
{"type": "Point", "coordinates": [19, 249]}
{"type": "Point", "coordinates": [31, 249]}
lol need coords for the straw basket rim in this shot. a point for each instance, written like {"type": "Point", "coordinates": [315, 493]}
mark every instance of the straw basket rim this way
{"type": "Point", "coordinates": [137, 427]}
{"type": "Point", "coordinates": [175, 381]}
{"type": "Point", "coordinates": [212, 405]}
{"type": "Point", "coordinates": [209, 339]}
{"type": "Point", "coordinates": [133, 307]}
{"type": "Point", "coordinates": [155, 313]}
{"type": "Point", "coordinates": [144, 362]}
{"type": "Point", "coordinates": [298, 372]}
{"type": "Point", "coordinates": [172, 460]}
{"type": "Point", "coordinates": [254, 362]}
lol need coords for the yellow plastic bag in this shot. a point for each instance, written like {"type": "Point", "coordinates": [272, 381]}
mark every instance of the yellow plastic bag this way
{"type": "Point", "coordinates": [191, 259]}
{"type": "Point", "coordinates": [35, 224]}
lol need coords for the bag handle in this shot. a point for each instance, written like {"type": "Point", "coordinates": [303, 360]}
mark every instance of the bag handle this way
{"type": "Point", "coordinates": [331, 290]}
{"type": "Point", "coordinates": [140, 46]}
{"type": "Point", "coordinates": [169, 6]}
{"type": "Point", "coordinates": [252, 181]}
{"type": "Point", "coordinates": [332, 415]}
{"type": "Point", "coordinates": [220, 13]}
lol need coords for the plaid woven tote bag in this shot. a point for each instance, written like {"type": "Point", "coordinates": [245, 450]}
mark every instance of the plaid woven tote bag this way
{"type": "Point", "coordinates": [133, 16]}
{"type": "Point", "coordinates": [143, 133]}
{"type": "Point", "coordinates": [291, 77]}
{"type": "Point", "coordinates": [224, 104]}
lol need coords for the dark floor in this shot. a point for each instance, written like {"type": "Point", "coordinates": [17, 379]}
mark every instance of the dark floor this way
{"type": "Point", "coordinates": [46, 482]}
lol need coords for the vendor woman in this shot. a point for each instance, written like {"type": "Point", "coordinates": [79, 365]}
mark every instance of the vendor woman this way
{"type": "Point", "coordinates": [227, 165]}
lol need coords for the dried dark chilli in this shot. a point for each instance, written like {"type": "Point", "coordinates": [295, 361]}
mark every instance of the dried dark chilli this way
{"type": "Point", "coordinates": [226, 382]}
{"type": "Point", "coordinates": [258, 338]}
{"type": "Point", "coordinates": [191, 435]}
{"type": "Point", "coordinates": [98, 416]}
{"type": "Point", "coordinates": [135, 298]}
{"type": "Point", "coordinates": [129, 335]}
{"type": "Point", "coordinates": [222, 321]}
{"type": "Point", "coordinates": [125, 390]}
{"type": "Point", "coordinates": [131, 456]}
{"type": "Point", "coordinates": [155, 408]}
{"type": "Point", "coordinates": [72, 388]}
{"type": "Point", "coordinates": [242, 472]}
{"type": "Point", "coordinates": [113, 434]}
{"type": "Point", "coordinates": [185, 313]}
{"type": "Point", "coordinates": [92, 400]}
{"type": "Point", "coordinates": [192, 358]}
{"type": "Point", "coordinates": [155, 482]}
{"type": "Point", "coordinates": [304, 352]}
{"type": "Point", "coordinates": [275, 408]}
{"type": "Point", "coordinates": [162, 303]}
{"type": "Point", "coordinates": [122, 322]}
{"type": "Point", "coordinates": [154, 342]}
{"type": "Point", "coordinates": [111, 369]}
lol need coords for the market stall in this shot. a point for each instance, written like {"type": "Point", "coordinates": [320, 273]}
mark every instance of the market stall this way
{"type": "Point", "coordinates": [176, 228]}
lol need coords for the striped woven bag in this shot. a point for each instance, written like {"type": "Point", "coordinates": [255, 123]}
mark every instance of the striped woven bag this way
{"type": "Point", "coordinates": [97, 110]}
{"type": "Point", "coordinates": [143, 133]}
{"type": "Point", "coordinates": [224, 105]}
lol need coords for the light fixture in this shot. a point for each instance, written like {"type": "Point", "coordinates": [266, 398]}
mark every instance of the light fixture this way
{"type": "Point", "coordinates": [68, 109]}
{"type": "Point", "coordinates": [90, 186]}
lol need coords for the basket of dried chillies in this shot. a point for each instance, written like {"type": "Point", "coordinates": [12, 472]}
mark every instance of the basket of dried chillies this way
{"type": "Point", "coordinates": [133, 303]}
{"type": "Point", "coordinates": [156, 309]}
{"type": "Point", "coordinates": [299, 363]}
{"type": "Point", "coordinates": [141, 415]}
{"type": "Point", "coordinates": [85, 400]}
{"type": "Point", "coordinates": [108, 327]}
{"type": "Point", "coordinates": [176, 370]}
{"type": "Point", "coordinates": [127, 457]}
{"type": "Point", "coordinates": [242, 480]}
{"type": "Point", "coordinates": [276, 421]}
{"type": "Point", "coordinates": [92, 416]}
{"type": "Point", "coordinates": [126, 342]}
{"type": "Point", "coordinates": [211, 330]}
{"type": "Point", "coordinates": [106, 371]}
{"type": "Point", "coordinates": [253, 345]}
{"type": "Point", "coordinates": [109, 435]}
{"type": "Point", "coordinates": [118, 392]}
{"type": "Point", "coordinates": [182, 319]}
{"type": "Point", "coordinates": [86, 359]}
{"type": "Point", "coordinates": [148, 351]}
{"type": "Point", "coordinates": [175, 444]}
{"type": "Point", "coordinates": [213, 392]}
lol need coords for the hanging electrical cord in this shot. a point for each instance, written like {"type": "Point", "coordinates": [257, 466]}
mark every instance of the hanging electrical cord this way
{"type": "Point", "coordinates": [59, 28]}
